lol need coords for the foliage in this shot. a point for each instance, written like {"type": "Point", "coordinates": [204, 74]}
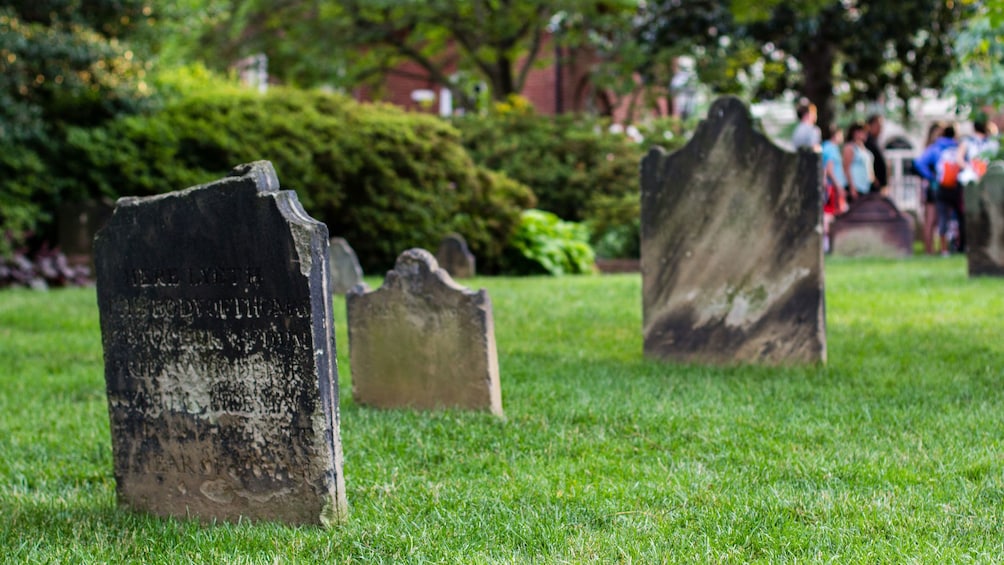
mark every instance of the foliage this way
{"type": "Point", "coordinates": [384, 179]}
{"type": "Point", "coordinates": [565, 159]}
{"type": "Point", "coordinates": [977, 81]}
{"type": "Point", "coordinates": [46, 268]}
{"type": "Point", "coordinates": [576, 166]}
{"type": "Point", "coordinates": [544, 243]}
{"type": "Point", "coordinates": [62, 63]}
{"type": "Point", "coordinates": [882, 456]}
{"type": "Point", "coordinates": [456, 44]}
{"type": "Point", "coordinates": [615, 222]}
{"type": "Point", "coordinates": [879, 49]}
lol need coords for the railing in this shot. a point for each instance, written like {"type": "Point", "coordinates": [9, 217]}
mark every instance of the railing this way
{"type": "Point", "coordinates": [904, 186]}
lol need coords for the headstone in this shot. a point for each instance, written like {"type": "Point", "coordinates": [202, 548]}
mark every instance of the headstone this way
{"type": "Point", "coordinates": [872, 227]}
{"type": "Point", "coordinates": [985, 223]}
{"type": "Point", "coordinates": [454, 256]}
{"type": "Point", "coordinates": [423, 341]}
{"type": "Point", "coordinates": [731, 247]}
{"type": "Point", "coordinates": [77, 223]}
{"type": "Point", "coordinates": [345, 270]}
{"type": "Point", "coordinates": [219, 354]}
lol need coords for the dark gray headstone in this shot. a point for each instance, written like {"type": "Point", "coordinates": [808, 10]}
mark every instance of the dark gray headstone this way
{"type": "Point", "coordinates": [219, 354]}
{"type": "Point", "coordinates": [731, 247]}
{"type": "Point", "coordinates": [985, 223]}
{"type": "Point", "coordinates": [345, 270]}
{"type": "Point", "coordinates": [873, 227]}
{"type": "Point", "coordinates": [454, 256]}
{"type": "Point", "coordinates": [423, 341]}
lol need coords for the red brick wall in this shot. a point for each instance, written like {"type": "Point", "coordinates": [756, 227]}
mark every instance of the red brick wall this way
{"type": "Point", "coordinates": [540, 88]}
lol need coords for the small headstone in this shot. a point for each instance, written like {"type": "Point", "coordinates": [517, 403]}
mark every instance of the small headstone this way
{"type": "Point", "coordinates": [731, 247]}
{"type": "Point", "coordinates": [985, 223]}
{"type": "Point", "coordinates": [423, 341]}
{"type": "Point", "coordinates": [219, 354]}
{"type": "Point", "coordinates": [77, 223]}
{"type": "Point", "coordinates": [345, 270]}
{"type": "Point", "coordinates": [873, 227]}
{"type": "Point", "coordinates": [454, 256]}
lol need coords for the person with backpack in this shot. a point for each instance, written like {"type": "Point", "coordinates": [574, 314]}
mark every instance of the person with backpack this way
{"type": "Point", "coordinates": [940, 164]}
{"type": "Point", "coordinates": [981, 148]}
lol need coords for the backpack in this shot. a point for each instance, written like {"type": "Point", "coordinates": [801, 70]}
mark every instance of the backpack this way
{"type": "Point", "coordinates": [947, 168]}
{"type": "Point", "coordinates": [979, 166]}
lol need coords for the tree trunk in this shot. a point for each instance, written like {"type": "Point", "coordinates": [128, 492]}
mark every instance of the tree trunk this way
{"type": "Point", "coordinates": [503, 80]}
{"type": "Point", "coordinates": [817, 71]}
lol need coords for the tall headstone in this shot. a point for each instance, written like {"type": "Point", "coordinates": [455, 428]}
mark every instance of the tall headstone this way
{"type": "Point", "coordinates": [731, 247]}
{"type": "Point", "coordinates": [345, 270]}
{"type": "Point", "coordinates": [219, 354]}
{"type": "Point", "coordinates": [423, 341]}
{"type": "Point", "coordinates": [454, 256]}
{"type": "Point", "coordinates": [985, 223]}
{"type": "Point", "coordinates": [873, 227]}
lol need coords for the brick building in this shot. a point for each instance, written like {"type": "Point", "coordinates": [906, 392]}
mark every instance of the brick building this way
{"type": "Point", "coordinates": [560, 85]}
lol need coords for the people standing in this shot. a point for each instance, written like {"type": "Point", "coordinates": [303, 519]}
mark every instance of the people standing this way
{"type": "Point", "coordinates": [930, 209]}
{"type": "Point", "coordinates": [806, 133]}
{"type": "Point", "coordinates": [981, 147]}
{"type": "Point", "coordinates": [857, 162]}
{"type": "Point", "coordinates": [943, 155]}
{"type": "Point", "coordinates": [833, 181]}
{"type": "Point", "coordinates": [874, 127]}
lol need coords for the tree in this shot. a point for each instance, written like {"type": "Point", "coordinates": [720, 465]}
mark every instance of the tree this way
{"type": "Point", "coordinates": [58, 54]}
{"type": "Point", "coordinates": [873, 46]}
{"type": "Point", "coordinates": [455, 43]}
{"type": "Point", "coordinates": [977, 81]}
{"type": "Point", "coordinates": [62, 62]}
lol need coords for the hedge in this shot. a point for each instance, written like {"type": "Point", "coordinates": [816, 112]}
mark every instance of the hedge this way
{"type": "Point", "coordinates": [578, 169]}
{"type": "Point", "coordinates": [383, 179]}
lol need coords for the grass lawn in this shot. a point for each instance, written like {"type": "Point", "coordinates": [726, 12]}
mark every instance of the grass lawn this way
{"type": "Point", "coordinates": [893, 452]}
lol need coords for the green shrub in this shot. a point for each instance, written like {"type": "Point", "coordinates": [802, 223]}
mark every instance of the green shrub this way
{"type": "Point", "coordinates": [384, 179]}
{"type": "Point", "coordinates": [21, 197]}
{"type": "Point", "coordinates": [565, 159]}
{"type": "Point", "coordinates": [578, 169]}
{"type": "Point", "coordinates": [544, 243]}
{"type": "Point", "coordinates": [616, 223]}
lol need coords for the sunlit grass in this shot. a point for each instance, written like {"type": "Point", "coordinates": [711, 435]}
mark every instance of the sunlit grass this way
{"type": "Point", "coordinates": [890, 453]}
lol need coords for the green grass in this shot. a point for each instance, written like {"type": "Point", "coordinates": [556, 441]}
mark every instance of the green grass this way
{"type": "Point", "coordinates": [891, 453]}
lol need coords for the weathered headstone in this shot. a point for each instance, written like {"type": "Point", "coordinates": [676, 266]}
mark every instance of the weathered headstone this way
{"type": "Point", "coordinates": [219, 354]}
{"type": "Point", "coordinates": [985, 223]}
{"type": "Point", "coordinates": [454, 256]}
{"type": "Point", "coordinates": [731, 247]}
{"type": "Point", "coordinates": [345, 270]}
{"type": "Point", "coordinates": [873, 227]}
{"type": "Point", "coordinates": [423, 341]}
{"type": "Point", "coordinates": [77, 222]}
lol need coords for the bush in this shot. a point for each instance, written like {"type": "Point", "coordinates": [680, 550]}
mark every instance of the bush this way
{"type": "Point", "coordinates": [546, 244]}
{"type": "Point", "coordinates": [565, 159]}
{"type": "Point", "coordinates": [383, 179]}
{"type": "Point", "coordinates": [46, 268]}
{"type": "Point", "coordinates": [616, 223]}
{"type": "Point", "coordinates": [578, 169]}
{"type": "Point", "coordinates": [21, 195]}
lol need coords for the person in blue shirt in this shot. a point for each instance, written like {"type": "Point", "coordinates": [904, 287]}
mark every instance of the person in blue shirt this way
{"type": "Point", "coordinates": [833, 181]}
{"type": "Point", "coordinates": [857, 162]}
{"type": "Point", "coordinates": [948, 200]}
